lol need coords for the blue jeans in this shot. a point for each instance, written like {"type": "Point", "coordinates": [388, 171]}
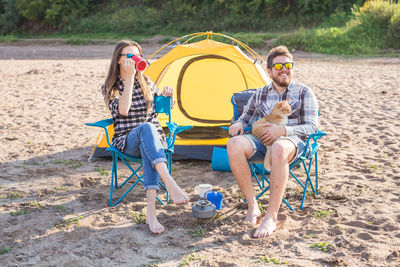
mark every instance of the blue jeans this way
{"type": "Point", "coordinates": [144, 142]}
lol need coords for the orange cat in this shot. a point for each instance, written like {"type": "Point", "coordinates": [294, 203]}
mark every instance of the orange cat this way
{"type": "Point", "coordinates": [279, 116]}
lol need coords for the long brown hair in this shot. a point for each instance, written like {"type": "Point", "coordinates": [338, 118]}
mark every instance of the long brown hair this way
{"type": "Point", "coordinates": [110, 88]}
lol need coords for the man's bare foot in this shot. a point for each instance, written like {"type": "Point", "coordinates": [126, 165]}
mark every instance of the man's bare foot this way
{"type": "Point", "coordinates": [268, 226]}
{"type": "Point", "coordinates": [252, 214]}
{"type": "Point", "coordinates": [154, 226]}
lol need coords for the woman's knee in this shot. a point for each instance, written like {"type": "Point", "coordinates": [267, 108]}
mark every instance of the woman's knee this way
{"type": "Point", "coordinates": [149, 128]}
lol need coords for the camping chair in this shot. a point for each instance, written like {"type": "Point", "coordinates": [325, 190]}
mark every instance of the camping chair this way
{"type": "Point", "coordinates": [162, 105]}
{"type": "Point", "coordinates": [258, 172]}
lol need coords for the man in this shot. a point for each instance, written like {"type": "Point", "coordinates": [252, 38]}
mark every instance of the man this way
{"type": "Point", "coordinates": [245, 147]}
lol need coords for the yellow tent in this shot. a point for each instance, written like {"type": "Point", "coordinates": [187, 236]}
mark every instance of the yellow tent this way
{"type": "Point", "coordinates": [204, 74]}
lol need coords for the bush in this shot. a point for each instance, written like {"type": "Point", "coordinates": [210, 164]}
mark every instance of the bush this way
{"type": "Point", "coordinates": [375, 26]}
{"type": "Point", "coordinates": [393, 39]}
{"type": "Point", "coordinates": [381, 20]}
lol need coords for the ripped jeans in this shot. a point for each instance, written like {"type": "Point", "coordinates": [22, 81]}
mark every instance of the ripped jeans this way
{"type": "Point", "coordinates": [144, 142]}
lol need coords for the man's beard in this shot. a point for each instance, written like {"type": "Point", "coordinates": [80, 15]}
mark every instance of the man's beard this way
{"type": "Point", "coordinates": [286, 83]}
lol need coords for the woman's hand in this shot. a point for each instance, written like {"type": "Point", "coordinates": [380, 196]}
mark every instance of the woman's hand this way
{"type": "Point", "coordinates": [125, 100]}
{"type": "Point", "coordinates": [168, 91]}
{"type": "Point", "coordinates": [129, 68]}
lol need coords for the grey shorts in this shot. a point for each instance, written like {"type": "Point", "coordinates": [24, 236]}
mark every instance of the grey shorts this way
{"type": "Point", "coordinates": [259, 149]}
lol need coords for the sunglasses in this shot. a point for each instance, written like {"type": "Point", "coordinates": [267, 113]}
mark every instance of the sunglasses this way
{"type": "Point", "coordinates": [128, 55]}
{"type": "Point", "coordinates": [287, 65]}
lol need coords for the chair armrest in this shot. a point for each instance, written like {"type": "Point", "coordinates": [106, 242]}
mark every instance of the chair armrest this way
{"type": "Point", "coordinates": [314, 137]}
{"type": "Point", "coordinates": [317, 135]}
{"type": "Point", "coordinates": [103, 124]}
{"type": "Point", "coordinates": [174, 129]}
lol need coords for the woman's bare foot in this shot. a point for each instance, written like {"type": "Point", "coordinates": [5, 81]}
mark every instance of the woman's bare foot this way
{"type": "Point", "coordinates": [253, 212]}
{"type": "Point", "coordinates": [177, 195]}
{"type": "Point", "coordinates": [151, 218]}
{"type": "Point", "coordinates": [268, 226]}
{"type": "Point", "coordinates": [154, 226]}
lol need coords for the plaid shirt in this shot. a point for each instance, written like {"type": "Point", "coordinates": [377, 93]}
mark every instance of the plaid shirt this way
{"type": "Point", "coordinates": [304, 118]}
{"type": "Point", "coordinates": [136, 115]}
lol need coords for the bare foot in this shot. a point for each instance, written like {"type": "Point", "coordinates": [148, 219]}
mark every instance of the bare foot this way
{"type": "Point", "coordinates": [154, 226]}
{"type": "Point", "coordinates": [268, 226]}
{"type": "Point", "coordinates": [252, 214]}
{"type": "Point", "coordinates": [177, 195]}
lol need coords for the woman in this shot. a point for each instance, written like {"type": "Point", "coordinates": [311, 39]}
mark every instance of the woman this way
{"type": "Point", "coordinates": [129, 96]}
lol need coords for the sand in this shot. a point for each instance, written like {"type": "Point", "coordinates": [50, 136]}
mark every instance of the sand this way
{"type": "Point", "coordinates": [54, 204]}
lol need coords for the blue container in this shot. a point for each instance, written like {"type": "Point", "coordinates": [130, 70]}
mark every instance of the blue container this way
{"type": "Point", "coordinates": [215, 197]}
{"type": "Point", "coordinates": [220, 160]}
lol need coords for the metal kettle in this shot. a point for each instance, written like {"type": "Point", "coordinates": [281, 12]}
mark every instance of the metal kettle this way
{"type": "Point", "coordinates": [203, 209]}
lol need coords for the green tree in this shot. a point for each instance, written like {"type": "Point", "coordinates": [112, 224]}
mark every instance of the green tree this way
{"type": "Point", "coordinates": [10, 17]}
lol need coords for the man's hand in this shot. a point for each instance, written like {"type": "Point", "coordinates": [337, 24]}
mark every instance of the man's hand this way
{"type": "Point", "coordinates": [236, 129]}
{"type": "Point", "coordinates": [271, 132]}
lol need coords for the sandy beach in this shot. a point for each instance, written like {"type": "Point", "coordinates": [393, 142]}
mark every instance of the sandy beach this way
{"type": "Point", "coordinates": [54, 204]}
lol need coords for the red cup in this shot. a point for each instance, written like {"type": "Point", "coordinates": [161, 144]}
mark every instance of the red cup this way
{"type": "Point", "coordinates": [140, 63]}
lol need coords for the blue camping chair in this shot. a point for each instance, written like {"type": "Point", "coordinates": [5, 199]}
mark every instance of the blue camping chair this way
{"type": "Point", "coordinates": [162, 105]}
{"type": "Point", "coordinates": [258, 172]}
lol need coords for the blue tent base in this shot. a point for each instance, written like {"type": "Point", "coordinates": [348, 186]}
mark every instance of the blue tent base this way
{"type": "Point", "coordinates": [181, 153]}
{"type": "Point", "coordinates": [220, 161]}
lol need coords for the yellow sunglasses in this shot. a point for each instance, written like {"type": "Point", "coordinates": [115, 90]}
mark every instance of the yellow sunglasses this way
{"type": "Point", "coordinates": [287, 65]}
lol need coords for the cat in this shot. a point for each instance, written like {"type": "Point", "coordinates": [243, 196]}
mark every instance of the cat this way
{"type": "Point", "coordinates": [279, 116]}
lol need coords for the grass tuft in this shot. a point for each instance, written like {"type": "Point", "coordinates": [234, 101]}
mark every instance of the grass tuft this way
{"type": "Point", "coordinates": [319, 214]}
{"type": "Point", "coordinates": [20, 212]}
{"type": "Point", "coordinates": [69, 222]}
{"type": "Point", "coordinates": [101, 171]}
{"type": "Point", "coordinates": [268, 260]}
{"type": "Point", "coordinates": [69, 163]}
{"type": "Point", "coordinates": [12, 195]}
{"type": "Point", "coordinates": [322, 246]}
{"type": "Point", "coordinates": [5, 250]}
{"type": "Point", "coordinates": [198, 232]}
{"type": "Point", "coordinates": [187, 259]}
{"type": "Point", "coordinates": [138, 218]}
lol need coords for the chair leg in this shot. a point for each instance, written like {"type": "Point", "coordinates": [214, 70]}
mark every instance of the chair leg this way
{"type": "Point", "coordinates": [112, 182]}
{"type": "Point", "coordinates": [114, 169]}
{"type": "Point", "coordinates": [253, 170]}
{"type": "Point", "coordinates": [264, 189]}
{"type": "Point", "coordinates": [114, 177]}
{"type": "Point", "coordinates": [167, 196]}
{"type": "Point", "coordinates": [169, 162]}
{"type": "Point", "coordinates": [308, 180]}
{"type": "Point", "coordinates": [316, 173]}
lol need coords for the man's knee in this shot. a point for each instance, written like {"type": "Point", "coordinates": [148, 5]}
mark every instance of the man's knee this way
{"type": "Point", "coordinates": [280, 151]}
{"type": "Point", "coordinates": [238, 145]}
{"type": "Point", "coordinates": [233, 144]}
